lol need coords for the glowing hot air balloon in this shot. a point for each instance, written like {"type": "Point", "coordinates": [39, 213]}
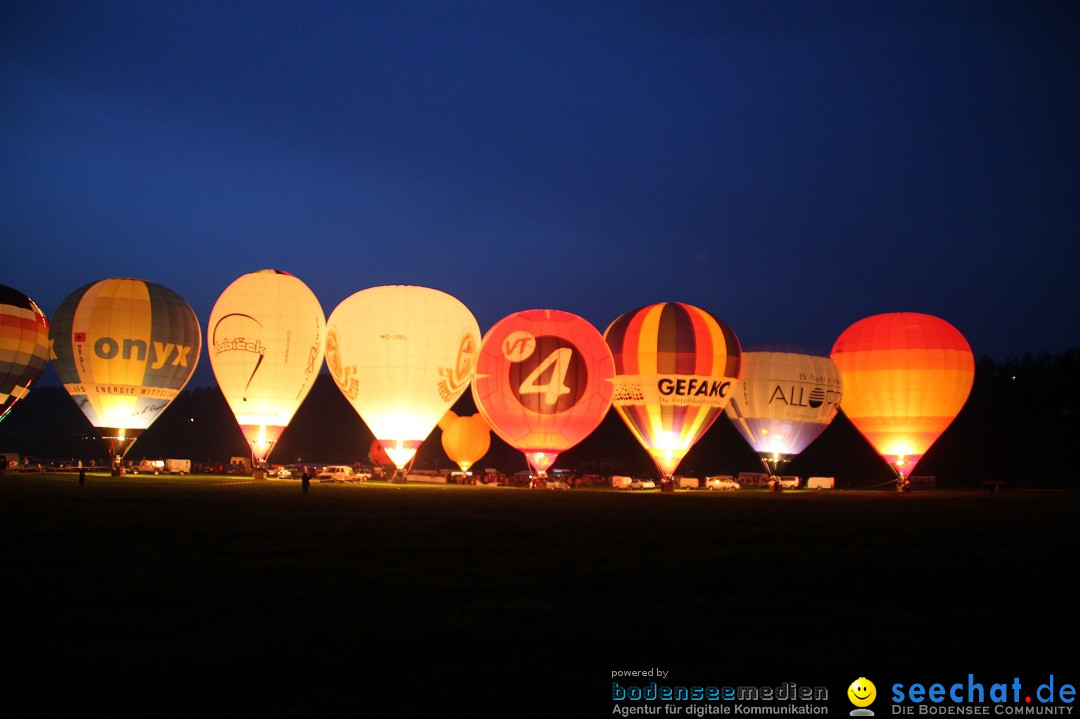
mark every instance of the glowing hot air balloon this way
{"type": "Point", "coordinates": [906, 376]}
{"type": "Point", "coordinates": [267, 336]}
{"type": "Point", "coordinates": [786, 397]}
{"type": "Point", "coordinates": [24, 346]}
{"type": "Point", "coordinates": [124, 348]}
{"type": "Point", "coordinates": [675, 367]}
{"type": "Point", "coordinates": [466, 439]}
{"type": "Point", "coordinates": [401, 355]}
{"type": "Point", "coordinates": [543, 382]}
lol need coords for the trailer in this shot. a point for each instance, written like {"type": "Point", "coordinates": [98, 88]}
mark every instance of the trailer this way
{"type": "Point", "coordinates": [178, 466]}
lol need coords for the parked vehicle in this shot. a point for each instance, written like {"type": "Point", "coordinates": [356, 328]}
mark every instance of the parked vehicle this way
{"type": "Point", "coordinates": [642, 484]}
{"type": "Point", "coordinates": [178, 466]}
{"type": "Point", "coordinates": [149, 466]}
{"type": "Point", "coordinates": [721, 481]}
{"type": "Point", "coordinates": [339, 473]}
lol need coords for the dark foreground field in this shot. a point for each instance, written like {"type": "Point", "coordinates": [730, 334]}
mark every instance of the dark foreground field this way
{"type": "Point", "coordinates": [188, 596]}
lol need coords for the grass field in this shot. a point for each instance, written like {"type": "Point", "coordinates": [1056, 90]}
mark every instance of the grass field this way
{"type": "Point", "coordinates": [211, 596]}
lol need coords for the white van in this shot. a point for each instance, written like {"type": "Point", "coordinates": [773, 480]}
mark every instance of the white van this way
{"type": "Point", "coordinates": [621, 482]}
{"type": "Point", "coordinates": [337, 473]}
{"type": "Point", "coordinates": [821, 483]}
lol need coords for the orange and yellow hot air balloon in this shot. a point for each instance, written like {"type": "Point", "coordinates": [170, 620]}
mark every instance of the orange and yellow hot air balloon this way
{"type": "Point", "coordinates": [906, 376]}
{"type": "Point", "coordinates": [124, 348]}
{"type": "Point", "coordinates": [466, 439]}
{"type": "Point", "coordinates": [675, 369]}
{"type": "Point", "coordinates": [24, 346]}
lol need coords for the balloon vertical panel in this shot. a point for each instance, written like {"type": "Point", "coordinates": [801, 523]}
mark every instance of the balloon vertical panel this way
{"type": "Point", "coordinates": [24, 346]}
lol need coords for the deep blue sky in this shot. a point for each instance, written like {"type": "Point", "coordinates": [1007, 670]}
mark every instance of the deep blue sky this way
{"type": "Point", "coordinates": [789, 166]}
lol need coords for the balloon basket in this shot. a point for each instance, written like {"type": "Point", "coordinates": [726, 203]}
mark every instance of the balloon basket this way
{"type": "Point", "coordinates": [667, 485]}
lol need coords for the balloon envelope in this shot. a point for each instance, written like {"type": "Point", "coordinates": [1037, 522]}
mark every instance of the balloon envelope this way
{"type": "Point", "coordinates": [785, 399]}
{"type": "Point", "coordinates": [675, 366]}
{"type": "Point", "coordinates": [466, 439]}
{"type": "Point", "coordinates": [24, 346]}
{"type": "Point", "coordinates": [401, 355]}
{"type": "Point", "coordinates": [906, 376]}
{"type": "Point", "coordinates": [124, 348]}
{"type": "Point", "coordinates": [543, 382]}
{"type": "Point", "coordinates": [267, 336]}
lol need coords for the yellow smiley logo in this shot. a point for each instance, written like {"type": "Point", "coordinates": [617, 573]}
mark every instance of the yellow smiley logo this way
{"type": "Point", "coordinates": [862, 692]}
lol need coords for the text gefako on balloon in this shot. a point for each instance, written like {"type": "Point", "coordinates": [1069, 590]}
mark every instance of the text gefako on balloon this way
{"type": "Point", "coordinates": [24, 346]}
{"type": "Point", "coordinates": [267, 336]}
{"type": "Point", "coordinates": [124, 348]}
{"type": "Point", "coordinates": [401, 355]}
{"type": "Point", "coordinates": [906, 376]}
{"type": "Point", "coordinates": [543, 382]}
{"type": "Point", "coordinates": [785, 399]}
{"type": "Point", "coordinates": [675, 369]}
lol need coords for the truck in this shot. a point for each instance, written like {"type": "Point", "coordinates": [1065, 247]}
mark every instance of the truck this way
{"type": "Point", "coordinates": [149, 466]}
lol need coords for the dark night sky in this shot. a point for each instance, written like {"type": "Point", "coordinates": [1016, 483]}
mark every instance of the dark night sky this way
{"type": "Point", "coordinates": [789, 166]}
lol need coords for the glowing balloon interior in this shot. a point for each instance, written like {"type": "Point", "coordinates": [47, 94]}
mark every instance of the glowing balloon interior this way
{"type": "Point", "coordinates": [267, 336]}
{"type": "Point", "coordinates": [401, 355]}
{"type": "Point", "coordinates": [124, 348]}
{"type": "Point", "coordinates": [544, 382]}
{"type": "Point", "coordinates": [24, 346]}
{"type": "Point", "coordinates": [906, 376]}
{"type": "Point", "coordinates": [466, 439]}
{"type": "Point", "coordinates": [785, 399]}
{"type": "Point", "coordinates": [675, 367]}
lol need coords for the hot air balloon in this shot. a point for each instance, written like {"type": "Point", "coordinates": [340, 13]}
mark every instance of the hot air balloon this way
{"type": "Point", "coordinates": [267, 336]}
{"type": "Point", "coordinates": [906, 376]}
{"type": "Point", "coordinates": [466, 439]}
{"type": "Point", "coordinates": [24, 346]}
{"type": "Point", "coordinates": [786, 397]}
{"type": "Point", "coordinates": [675, 368]}
{"type": "Point", "coordinates": [124, 348]}
{"type": "Point", "coordinates": [447, 419]}
{"type": "Point", "coordinates": [401, 355]}
{"type": "Point", "coordinates": [543, 382]}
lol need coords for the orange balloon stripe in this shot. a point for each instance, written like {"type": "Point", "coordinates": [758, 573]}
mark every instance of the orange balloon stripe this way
{"type": "Point", "coordinates": [932, 392]}
{"type": "Point", "coordinates": [917, 358]}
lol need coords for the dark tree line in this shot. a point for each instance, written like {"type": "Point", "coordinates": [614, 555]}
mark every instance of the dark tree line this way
{"type": "Point", "coordinates": [1018, 426]}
